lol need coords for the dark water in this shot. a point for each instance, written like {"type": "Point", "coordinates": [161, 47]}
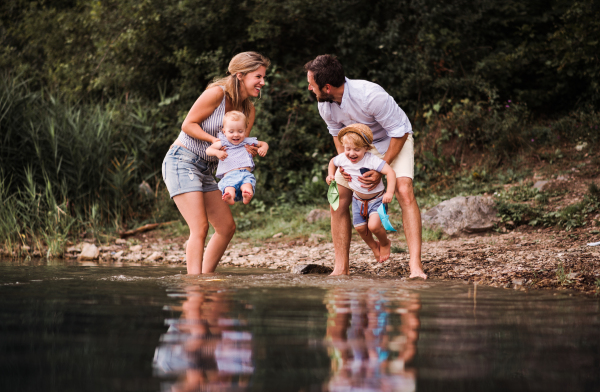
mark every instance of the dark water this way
{"type": "Point", "coordinates": [75, 328]}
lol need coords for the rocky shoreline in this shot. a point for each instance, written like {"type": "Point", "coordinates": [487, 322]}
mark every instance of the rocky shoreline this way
{"type": "Point", "coordinates": [521, 259]}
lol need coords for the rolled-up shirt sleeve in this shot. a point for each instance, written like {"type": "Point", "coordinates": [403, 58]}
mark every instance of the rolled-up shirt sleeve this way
{"type": "Point", "coordinates": [333, 126]}
{"type": "Point", "coordinates": [388, 114]}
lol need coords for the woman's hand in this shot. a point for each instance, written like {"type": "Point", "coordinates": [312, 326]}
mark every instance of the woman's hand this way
{"type": "Point", "coordinates": [252, 149]}
{"type": "Point", "coordinates": [329, 179]}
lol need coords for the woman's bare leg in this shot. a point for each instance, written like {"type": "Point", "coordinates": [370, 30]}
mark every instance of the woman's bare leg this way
{"type": "Point", "coordinates": [219, 216]}
{"type": "Point", "coordinates": [191, 206]}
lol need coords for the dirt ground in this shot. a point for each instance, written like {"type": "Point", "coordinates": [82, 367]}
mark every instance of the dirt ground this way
{"type": "Point", "coordinates": [522, 259]}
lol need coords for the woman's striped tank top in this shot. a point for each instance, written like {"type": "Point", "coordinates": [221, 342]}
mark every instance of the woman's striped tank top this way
{"type": "Point", "coordinates": [212, 125]}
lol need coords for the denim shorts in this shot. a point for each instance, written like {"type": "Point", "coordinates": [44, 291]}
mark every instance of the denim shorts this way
{"type": "Point", "coordinates": [357, 218]}
{"type": "Point", "coordinates": [235, 179]}
{"type": "Point", "coordinates": [183, 172]}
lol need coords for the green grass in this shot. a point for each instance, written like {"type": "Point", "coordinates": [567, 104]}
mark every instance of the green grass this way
{"type": "Point", "coordinates": [257, 222]}
{"type": "Point", "coordinates": [398, 249]}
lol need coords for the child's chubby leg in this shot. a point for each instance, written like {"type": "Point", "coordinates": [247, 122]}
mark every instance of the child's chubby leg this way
{"type": "Point", "coordinates": [247, 193]}
{"type": "Point", "coordinates": [377, 228]}
{"type": "Point", "coordinates": [229, 195]}
{"type": "Point", "coordinates": [369, 240]}
{"type": "Point", "coordinates": [247, 188]}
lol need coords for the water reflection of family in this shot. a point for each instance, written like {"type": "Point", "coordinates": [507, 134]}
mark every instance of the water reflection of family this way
{"type": "Point", "coordinates": [369, 350]}
{"type": "Point", "coordinates": [212, 139]}
{"type": "Point", "coordinates": [370, 337]}
{"type": "Point", "coordinates": [205, 349]}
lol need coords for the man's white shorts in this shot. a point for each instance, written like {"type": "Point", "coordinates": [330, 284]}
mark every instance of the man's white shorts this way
{"type": "Point", "coordinates": [403, 165]}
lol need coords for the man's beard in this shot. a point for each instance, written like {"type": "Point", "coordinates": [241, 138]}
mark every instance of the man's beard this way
{"type": "Point", "coordinates": [323, 97]}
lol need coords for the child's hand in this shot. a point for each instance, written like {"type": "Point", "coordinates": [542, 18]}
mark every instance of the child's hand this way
{"type": "Point", "coordinates": [387, 198]}
{"type": "Point", "coordinates": [263, 151]}
{"type": "Point", "coordinates": [329, 179]}
{"type": "Point", "coordinates": [221, 154]}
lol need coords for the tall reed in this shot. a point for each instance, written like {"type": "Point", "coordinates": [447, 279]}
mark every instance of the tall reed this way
{"type": "Point", "coordinates": [71, 167]}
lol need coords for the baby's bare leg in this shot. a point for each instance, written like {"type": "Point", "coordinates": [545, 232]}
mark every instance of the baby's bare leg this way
{"type": "Point", "coordinates": [247, 193]}
{"type": "Point", "coordinates": [384, 243]}
{"type": "Point", "coordinates": [369, 240]}
{"type": "Point", "coordinates": [229, 195]}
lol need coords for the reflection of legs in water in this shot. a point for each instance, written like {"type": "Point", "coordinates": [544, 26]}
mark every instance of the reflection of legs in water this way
{"type": "Point", "coordinates": [206, 351]}
{"type": "Point", "coordinates": [368, 349]}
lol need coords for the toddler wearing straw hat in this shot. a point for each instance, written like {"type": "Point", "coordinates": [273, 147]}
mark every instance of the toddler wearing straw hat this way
{"type": "Point", "coordinates": [357, 139]}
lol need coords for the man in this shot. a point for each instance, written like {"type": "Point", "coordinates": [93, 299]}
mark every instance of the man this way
{"type": "Point", "coordinates": [342, 102]}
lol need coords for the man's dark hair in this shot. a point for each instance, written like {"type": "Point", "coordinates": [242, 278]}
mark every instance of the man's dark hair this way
{"type": "Point", "coordinates": [326, 69]}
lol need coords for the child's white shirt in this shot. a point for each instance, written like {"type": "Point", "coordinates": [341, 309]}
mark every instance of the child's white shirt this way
{"type": "Point", "coordinates": [370, 162]}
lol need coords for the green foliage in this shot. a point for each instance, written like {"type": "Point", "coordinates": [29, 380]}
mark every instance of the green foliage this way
{"type": "Point", "coordinates": [398, 249]}
{"type": "Point", "coordinates": [432, 234]}
{"type": "Point", "coordinates": [511, 208]}
{"type": "Point", "coordinates": [97, 124]}
{"type": "Point", "coordinates": [264, 222]}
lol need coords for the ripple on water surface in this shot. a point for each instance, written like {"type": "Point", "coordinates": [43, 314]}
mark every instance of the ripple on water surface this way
{"type": "Point", "coordinates": [71, 327]}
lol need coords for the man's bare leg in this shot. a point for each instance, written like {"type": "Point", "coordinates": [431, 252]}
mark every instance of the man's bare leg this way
{"type": "Point", "coordinates": [341, 232]}
{"type": "Point", "coordinates": [411, 219]}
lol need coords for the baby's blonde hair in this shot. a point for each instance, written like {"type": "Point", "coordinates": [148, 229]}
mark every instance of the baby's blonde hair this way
{"type": "Point", "coordinates": [358, 135]}
{"type": "Point", "coordinates": [234, 115]}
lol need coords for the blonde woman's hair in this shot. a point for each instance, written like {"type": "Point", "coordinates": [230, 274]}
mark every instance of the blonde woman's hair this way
{"type": "Point", "coordinates": [234, 115]}
{"type": "Point", "coordinates": [242, 63]}
{"type": "Point", "coordinates": [359, 135]}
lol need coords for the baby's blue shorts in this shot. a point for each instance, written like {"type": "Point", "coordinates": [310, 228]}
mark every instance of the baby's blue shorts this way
{"type": "Point", "coordinates": [357, 205]}
{"type": "Point", "coordinates": [235, 179]}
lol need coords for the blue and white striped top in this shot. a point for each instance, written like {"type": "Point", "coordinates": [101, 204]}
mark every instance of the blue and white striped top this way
{"type": "Point", "coordinates": [212, 125]}
{"type": "Point", "coordinates": [237, 156]}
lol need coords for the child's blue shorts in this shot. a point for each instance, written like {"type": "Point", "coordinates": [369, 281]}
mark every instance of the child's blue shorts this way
{"type": "Point", "coordinates": [357, 205]}
{"type": "Point", "coordinates": [235, 179]}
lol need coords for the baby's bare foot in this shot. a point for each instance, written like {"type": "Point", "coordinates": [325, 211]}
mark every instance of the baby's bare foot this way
{"type": "Point", "coordinates": [384, 251]}
{"type": "Point", "coordinates": [247, 196]}
{"type": "Point", "coordinates": [228, 198]}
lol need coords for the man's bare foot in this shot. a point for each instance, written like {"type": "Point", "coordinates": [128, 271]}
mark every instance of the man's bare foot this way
{"type": "Point", "coordinates": [339, 272]}
{"type": "Point", "coordinates": [416, 271]}
{"type": "Point", "coordinates": [247, 196]}
{"type": "Point", "coordinates": [228, 198]}
{"type": "Point", "coordinates": [384, 251]}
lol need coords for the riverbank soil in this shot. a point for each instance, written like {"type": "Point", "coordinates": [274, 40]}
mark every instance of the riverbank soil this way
{"type": "Point", "coordinates": [526, 258]}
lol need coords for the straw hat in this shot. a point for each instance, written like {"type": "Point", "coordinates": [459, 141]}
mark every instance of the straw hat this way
{"type": "Point", "coordinates": [361, 130]}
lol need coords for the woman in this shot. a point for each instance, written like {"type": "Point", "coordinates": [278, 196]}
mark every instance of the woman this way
{"type": "Point", "coordinates": [187, 170]}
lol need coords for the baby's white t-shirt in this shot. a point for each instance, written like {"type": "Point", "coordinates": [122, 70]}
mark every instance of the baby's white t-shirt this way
{"type": "Point", "coordinates": [369, 161]}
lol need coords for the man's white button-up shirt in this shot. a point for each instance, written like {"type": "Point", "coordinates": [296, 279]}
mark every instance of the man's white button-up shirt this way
{"type": "Point", "coordinates": [367, 103]}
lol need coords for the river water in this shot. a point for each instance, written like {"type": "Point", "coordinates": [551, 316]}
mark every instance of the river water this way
{"type": "Point", "coordinates": [66, 327]}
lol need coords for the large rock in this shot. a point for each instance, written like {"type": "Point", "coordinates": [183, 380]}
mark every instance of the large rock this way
{"type": "Point", "coordinates": [318, 214]}
{"type": "Point", "coordinates": [461, 214]}
{"type": "Point", "coordinates": [302, 269]}
{"type": "Point", "coordinates": [89, 252]}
